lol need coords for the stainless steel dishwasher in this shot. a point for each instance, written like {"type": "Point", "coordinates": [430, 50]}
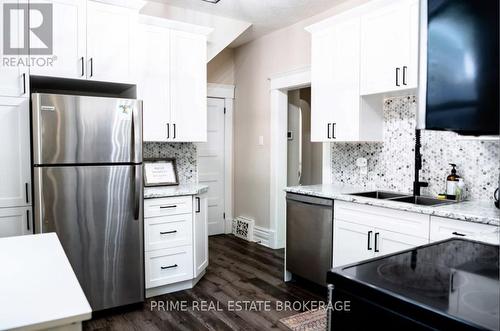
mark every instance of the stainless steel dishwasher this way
{"type": "Point", "coordinates": [309, 237]}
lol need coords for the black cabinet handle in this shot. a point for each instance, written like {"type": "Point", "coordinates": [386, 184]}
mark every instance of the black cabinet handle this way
{"type": "Point", "coordinates": [168, 130]}
{"type": "Point", "coordinates": [168, 232]}
{"type": "Point", "coordinates": [369, 246]}
{"type": "Point", "coordinates": [328, 130]}
{"type": "Point", "coordinates": [24, 83]}
{"type": "Point", "coordinates": [405, 68]}
{"type": "Point", "coordinates": [91, 67]}
{"type": "Point", "coordinates": [169, 267]}
{"type": "Point", "coordinates": [83, 65]}
{"type": "Point", "coordinates": [333, 130]}
{"type": "Point", "coordinates": [171, 206]}
{"type": "Point", "coordinates": [397, 76]}
{"type": "Point", "coordinates": [458, 234]}
{"type": "Point", "coordinates": [198, 205]}
{"type": "Point", "coordinates": [175, 133]}
{"type": "Point", "coordinates": [28, 220]}
{"type": "Point", "coordinates": [26, 192]}
{"type": "Point", "coordinates": [376, 242]}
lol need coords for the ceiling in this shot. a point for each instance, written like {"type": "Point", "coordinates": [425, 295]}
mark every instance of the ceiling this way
{"type": "Point", "coordinates": [265, 15]}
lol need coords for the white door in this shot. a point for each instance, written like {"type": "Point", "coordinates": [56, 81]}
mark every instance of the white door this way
{"type": "Point", "coordinates": [351, 242]}
{"type": "Point", "coordinates": [188, 89]}
{"type": "Point", "coordinates": [15, 166]}
{"type": "Point", "coordinates": [15, 221]}
{"type": "Point", "coordinates": [388, 242]}
{"type": "Point", "coordinates": [110, 42]}
{"type": "Point", "coordinates": [211, 165]}
{"type": "Point", "coordinates": [13, 77]}
{"type": "Point", "coordinates": [69, 40]}
{"type": "Point", "coordinates": [153, 81]}
{"type": "Point", "coordinates": [384, 43]}
{"type": "Point", "coordinates": [200, 236]}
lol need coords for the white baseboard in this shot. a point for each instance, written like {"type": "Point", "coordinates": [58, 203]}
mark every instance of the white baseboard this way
{"type": "Point", "coordinates": [265, 237]}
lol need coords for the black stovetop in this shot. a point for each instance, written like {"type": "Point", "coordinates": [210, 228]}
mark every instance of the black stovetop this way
{"type": "Point", "coordinates": [456, 277]}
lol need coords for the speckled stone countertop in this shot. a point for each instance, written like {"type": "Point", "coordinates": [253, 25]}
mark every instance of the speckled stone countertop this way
{"type": "Point", "coordinates": [483, 212]}
{"type": "Point", "coordinates": [173, 191]}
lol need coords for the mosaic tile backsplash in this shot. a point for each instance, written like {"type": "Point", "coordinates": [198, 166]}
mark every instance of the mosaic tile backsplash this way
{"type": "Point", "coordinates": [391, 163]}
{"type": "Point", "coordinates": [184, 153]}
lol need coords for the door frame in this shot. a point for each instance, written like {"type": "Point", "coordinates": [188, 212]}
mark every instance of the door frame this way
{"type": "Point", "coordinates": [280, 84]}
{"type": "Point", "coordinates": [226, 92]}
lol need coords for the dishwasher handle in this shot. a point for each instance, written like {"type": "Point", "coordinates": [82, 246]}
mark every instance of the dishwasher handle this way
{"type": "Point", "coordinates": [310, 200]}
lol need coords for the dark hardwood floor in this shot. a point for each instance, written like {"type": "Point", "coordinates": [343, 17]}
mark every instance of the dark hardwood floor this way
{"type": "Point", "coordinates": [238, 271]}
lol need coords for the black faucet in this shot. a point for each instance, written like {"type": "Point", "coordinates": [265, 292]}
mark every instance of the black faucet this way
{"type": "Point", "coordinates": [417, 184]}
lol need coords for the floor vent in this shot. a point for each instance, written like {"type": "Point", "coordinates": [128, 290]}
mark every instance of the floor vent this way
{"type": "Point", "coordinates": [243, 228]}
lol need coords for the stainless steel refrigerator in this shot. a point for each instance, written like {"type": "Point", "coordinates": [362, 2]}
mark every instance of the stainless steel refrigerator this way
{"type": "Point", "coordinates": [87, 154]}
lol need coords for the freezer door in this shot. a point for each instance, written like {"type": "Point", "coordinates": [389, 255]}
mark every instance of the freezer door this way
{"type": "Point", "coordinates": [69, 129]}
{"type": "Point", "coordinates": [97, 214]}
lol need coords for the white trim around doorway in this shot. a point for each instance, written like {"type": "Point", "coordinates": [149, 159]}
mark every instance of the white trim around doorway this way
{"type": "Point", "coordinates": [226, 92]}
{"type": "Point", "coordinates": [280, 84]}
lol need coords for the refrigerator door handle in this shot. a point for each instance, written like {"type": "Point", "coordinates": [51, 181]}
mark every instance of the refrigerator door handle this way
{"type": "Point", "coordinates": [137, 133]}
{"type": "Point", "coordinates": [137, 190]}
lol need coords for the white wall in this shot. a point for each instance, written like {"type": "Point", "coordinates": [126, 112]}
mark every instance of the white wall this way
{"type": "Point", "coordinates": [255, 62]}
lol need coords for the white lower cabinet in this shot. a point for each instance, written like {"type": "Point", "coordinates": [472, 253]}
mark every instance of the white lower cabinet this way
{"type": "Point", "coordinates": [175, 243]}
{"type": "Point", "coordinates": [362, 232]}
{"type": "Point", "coordinates": [16, 221]}
{"type": "Point", "coordinates": [444, 228]}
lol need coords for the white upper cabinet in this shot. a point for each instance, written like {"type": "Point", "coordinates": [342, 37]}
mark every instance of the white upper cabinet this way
{"type": "Point", "coordinates": [337, 113]}
{"type": "Point", "coordinates": [69, 40]}
{"type": "Point", "coordinates": [389, 47]}
{"type": "Point", "coordinates": [13, 77]}
{"type": "Point", "coordinates": [188, 86]}
{"type": "Point", "coordinates": [110, 42]}
{"type": "Point", "coordinates": [153, 81]}
{"type": "Point", "coordinates": [174, 92]}
{"type": "Point", "coordinates": [15, 165]}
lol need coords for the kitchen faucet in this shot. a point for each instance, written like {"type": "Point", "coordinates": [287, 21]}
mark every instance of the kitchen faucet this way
{"type": "Point", "coordinates": [417, 184]}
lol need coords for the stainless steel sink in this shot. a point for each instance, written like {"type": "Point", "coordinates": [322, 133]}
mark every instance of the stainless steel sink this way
{"type": "Point", "coordinates": [379, 195]}
{"type": "Point", "coordinates": [423, 201]}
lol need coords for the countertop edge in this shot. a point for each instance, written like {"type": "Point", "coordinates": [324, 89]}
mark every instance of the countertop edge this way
{"type": "Point", "coordinates": [174, 191]}
{"type": "Point", "coordinates": [432, 211]}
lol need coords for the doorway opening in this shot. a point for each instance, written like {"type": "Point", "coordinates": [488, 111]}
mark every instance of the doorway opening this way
{"type": "Point", "coordinates": [304, 158]}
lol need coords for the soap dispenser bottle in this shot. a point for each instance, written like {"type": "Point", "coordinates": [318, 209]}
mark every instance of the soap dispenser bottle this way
{"type": "Point", "coordinates": [451, 183]}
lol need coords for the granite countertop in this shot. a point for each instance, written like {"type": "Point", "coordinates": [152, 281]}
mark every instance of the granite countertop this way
{"type": "Point", "coordinates": [173, 191]}
{"type": "Point", "coordinates": [483, 212]}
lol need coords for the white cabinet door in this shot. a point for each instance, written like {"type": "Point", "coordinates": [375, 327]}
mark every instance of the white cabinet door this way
{"type": "Point", "coordinates": [387, 242]}
{"type": "Point", "coordinates": [110, 42]}
{"type": "Point", "coordinates": [385, 47]}
{"type": "Point", "coordinates": [188, 87]}
{"type": "Point", "coordinates": [322, 68]}
{"type": "Point", "coordinates": [15, 221]}
{"type": "Point", "coordinates": [335, 82]}
{"type": "Point", "coordinates": [200, 234]}
{"type": "Point", "coordinates": [351, 243]}
{"type": "Point", "coordinates": [13, 76]}
{"type": "Point", "coordinates": [69, 40]}
{"type": "Point", "coordinates": [153, 81]}
{"type": "Point", "coordinates": [15, 167]}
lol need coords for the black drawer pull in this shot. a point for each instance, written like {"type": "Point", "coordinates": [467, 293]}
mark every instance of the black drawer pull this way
{"type": "Point", "coordinates": [168, 232]}
{"type": "Point", "coordinates": [376, 242]}
{"type": "Point", "coordinates": [458, 234]}
{"type": "Point", "coordinates": [169, 267]}
{"type": "Point", "coordinates": [369, 247]}
{"type": "Point", "coordinates": [165, 207]}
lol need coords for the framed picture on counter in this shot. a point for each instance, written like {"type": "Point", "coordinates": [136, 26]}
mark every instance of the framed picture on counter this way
{"type": "Point", "coordinates": [160, 172]}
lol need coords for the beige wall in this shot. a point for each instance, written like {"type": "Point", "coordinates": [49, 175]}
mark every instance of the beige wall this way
{"type": "Point", "coordinates": [255, 62]}
{"type": "Point", "coordinates": [220, 69]}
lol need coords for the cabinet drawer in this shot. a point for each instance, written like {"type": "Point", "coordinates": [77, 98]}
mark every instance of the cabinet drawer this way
{"type": "Point", "coordinates": [168, 231]}
{"type": "Point", "coordinates": [168, 206]}
{"type": "Point", "coordinates": [167, 266]}
{"type": "Point", "coordinates": [444, 228]}
{"type": "Point", "coordinates": [404, 222]}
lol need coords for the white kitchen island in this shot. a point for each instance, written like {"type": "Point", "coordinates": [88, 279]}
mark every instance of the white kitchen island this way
{"type": "Point", "coordinates": [38, 288]}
